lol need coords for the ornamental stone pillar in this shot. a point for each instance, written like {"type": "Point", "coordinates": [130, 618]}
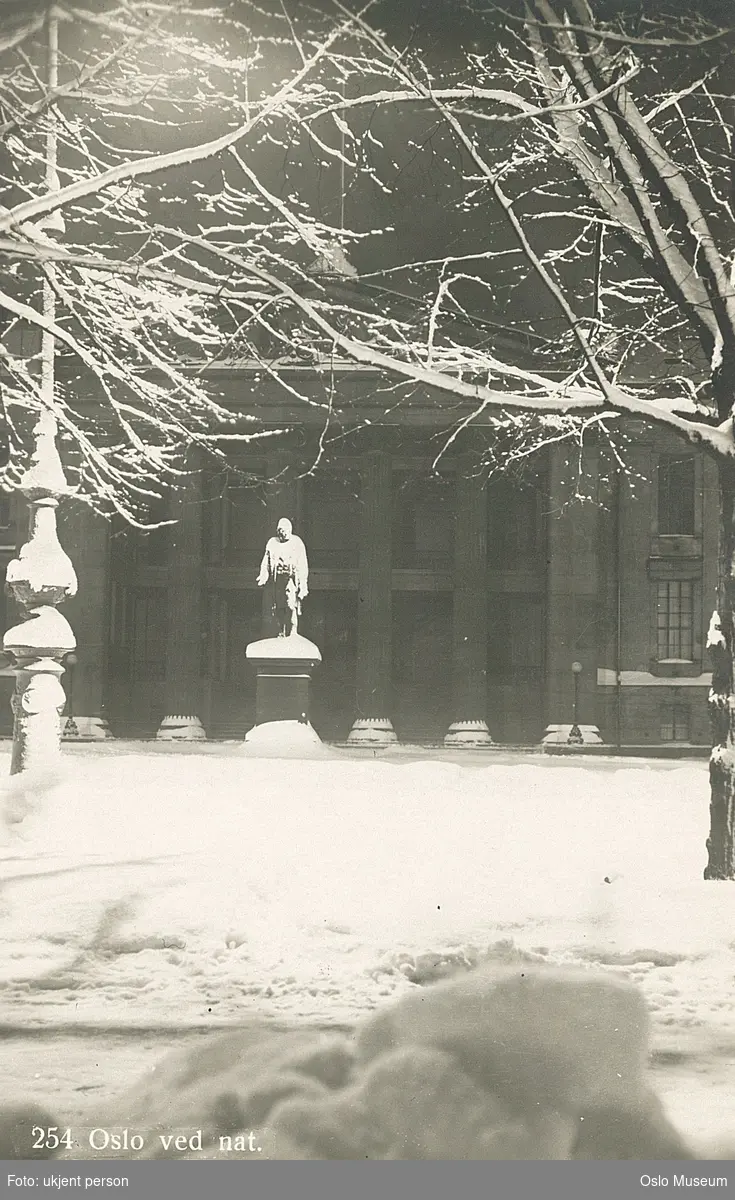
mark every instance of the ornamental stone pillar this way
{"type": "Point", "coordinates": [470, 616]}
{"type": "Point", "coordinates": [39, 579]}
{"type": "Point", "coordinates": [87, 534]}
{"type": "Point", "coordinates": [373, 725]}
{"type": "Point", "coordinates": [183, 686]}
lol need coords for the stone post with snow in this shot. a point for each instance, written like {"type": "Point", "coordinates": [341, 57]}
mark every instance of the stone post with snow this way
{"type": "Point", "coordinates": [42, 575]}
{"type": "Point", "coordinates": [39, 579]}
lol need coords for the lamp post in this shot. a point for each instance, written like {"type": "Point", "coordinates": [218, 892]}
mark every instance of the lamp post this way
{"type": "Point", "coordinates": [42, 575]}
{"type": "Point", "coordinates": [70, 726]}
{"type": "Point", "coordinates": [575, 733]}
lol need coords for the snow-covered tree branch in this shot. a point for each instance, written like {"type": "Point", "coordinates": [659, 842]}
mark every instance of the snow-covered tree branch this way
{"type": "Point", "coordinates": [241, 184]}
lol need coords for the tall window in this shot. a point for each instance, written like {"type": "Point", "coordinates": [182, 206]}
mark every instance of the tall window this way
{"type": "Point", "coordinates": [676, 494]}
{"type": "Point", "coordinates": [137, 628]}
{"type": "Point", "coordinates": [332, 519]}
{"type": "Point", "coordinates": [516, 522]}
{"type": "Point", "coordinates": [675, 620]}
{"type": "Point", "coordinates": [243, 529]}
{"type": "Point", "coordinates": [675, 723]}
{"type": "Point", "coordinates": [423, 521]}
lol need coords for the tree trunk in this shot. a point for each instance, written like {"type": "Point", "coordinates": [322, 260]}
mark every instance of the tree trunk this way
{"type": "Point", "coordinates": [721, 644]}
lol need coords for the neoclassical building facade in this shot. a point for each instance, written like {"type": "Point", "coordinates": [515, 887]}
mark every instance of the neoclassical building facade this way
{"type": "Point", "coordinates": [438, 597]}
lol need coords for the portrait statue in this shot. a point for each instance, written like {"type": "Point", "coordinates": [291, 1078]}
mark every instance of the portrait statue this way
{"type": "Point", "coordinates": [285, 567]}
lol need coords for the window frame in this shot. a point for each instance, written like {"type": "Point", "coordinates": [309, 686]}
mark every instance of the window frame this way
{"type": "Point", "coordinates": [669, 710]}
{"type": "Point", "coordinates": [666, 459]}
{"type": "Point", "coordinates": [676, 572]}
{"type": "Point", "coordinates": [678, 544]}
{"type": "Point", "coordinates": [670, 630]}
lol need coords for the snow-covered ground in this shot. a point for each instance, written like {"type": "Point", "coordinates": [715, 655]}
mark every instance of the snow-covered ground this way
{"type": "Point", "coordinates": [152, 888]}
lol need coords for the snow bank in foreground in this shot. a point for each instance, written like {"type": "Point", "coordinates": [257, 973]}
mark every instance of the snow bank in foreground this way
{"type": "Point", "coordinates": [156, 888]}
{"type": "Point", "coordinates": [498, 1064]}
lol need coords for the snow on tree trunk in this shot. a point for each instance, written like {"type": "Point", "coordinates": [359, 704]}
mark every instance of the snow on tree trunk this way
{"type": "Point", "coordinates": [721, 645]}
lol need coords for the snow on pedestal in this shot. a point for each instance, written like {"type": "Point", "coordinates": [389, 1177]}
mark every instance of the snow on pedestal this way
{"type": "Point", "coordinates": [38, 579]}
{"type": "Point", "coordinates": [284, 668]}
{"type": "Point", "coordinates": [37, 646]}
{"type": "Point", "coordinates": [293, 648]}
{"type": "Point", "coordinates": [284, 739]}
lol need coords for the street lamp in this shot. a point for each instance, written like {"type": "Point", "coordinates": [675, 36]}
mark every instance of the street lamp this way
{"type": "Point", "coordinates": [42, 575]}
{"type": "Point", "coordinates": [575, 733]}
{"type": "Point", "coordinates": [70, 728]}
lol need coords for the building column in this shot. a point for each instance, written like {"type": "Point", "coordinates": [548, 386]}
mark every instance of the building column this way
{"type": "Point", "coordinates": [185, 614]}
{"type": "Point", "coordinates": [469, 621]}
{"type": "Point", "coordinates": [88, 537]}
{"type": "Point", "coordinates": [573, 597]}
{"type": "Point", "coordinates": [374, 608]}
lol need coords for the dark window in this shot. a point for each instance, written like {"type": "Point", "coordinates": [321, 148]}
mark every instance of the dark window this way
{"type": "Point", "coordinates": [516, 522]}
{"type": "Point", "coordinates": [332, 519]}
{"type": "Point", "coordinates": [138, 622]}
{"type": "Point", "coordinates": [148, 643]}
{"type": "Point", "coordinates": [515, 642]}
{"type": "Point", "coordinates": [675, 620]}
{"type": "Point", "coordinates": [243, 524]}
{"type": "Point", "coordinates": [676, 494]}
{"type": "Point", "coordinates": [423, 522]}
{"type": "Point", "coordinates": [218, 613]}
{"type": "Point", "coordinates": [675, 723]}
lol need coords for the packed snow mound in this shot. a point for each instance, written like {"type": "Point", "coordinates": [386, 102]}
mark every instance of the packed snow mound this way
{"type": "Point", "coordinates": [499, 1064]}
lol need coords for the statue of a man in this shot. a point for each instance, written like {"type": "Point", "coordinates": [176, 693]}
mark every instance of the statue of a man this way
{"type": "Point", "coordinates": [286, 567]}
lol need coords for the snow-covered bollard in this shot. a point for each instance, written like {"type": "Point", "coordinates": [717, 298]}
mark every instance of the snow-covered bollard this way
{"type": "Point", "coordinates": [38, 580]}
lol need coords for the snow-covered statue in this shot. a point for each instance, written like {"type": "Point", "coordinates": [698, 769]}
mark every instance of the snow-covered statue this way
{"type": "Point", "coordinates": [286, 568]}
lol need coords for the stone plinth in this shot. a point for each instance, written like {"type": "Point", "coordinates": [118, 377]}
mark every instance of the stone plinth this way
{"type": "Point", "coordinates": [558, 735]}
{"type": "Point", "coordinates": [469, 735]}
{"type": "Point", "coordinates": [372, 731]}
{"type": "Point", "coordinates": [284, 667]}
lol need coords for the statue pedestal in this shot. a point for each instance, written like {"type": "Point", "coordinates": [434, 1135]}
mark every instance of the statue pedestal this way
{"type": "Point", "coordinates": [284, 667]}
